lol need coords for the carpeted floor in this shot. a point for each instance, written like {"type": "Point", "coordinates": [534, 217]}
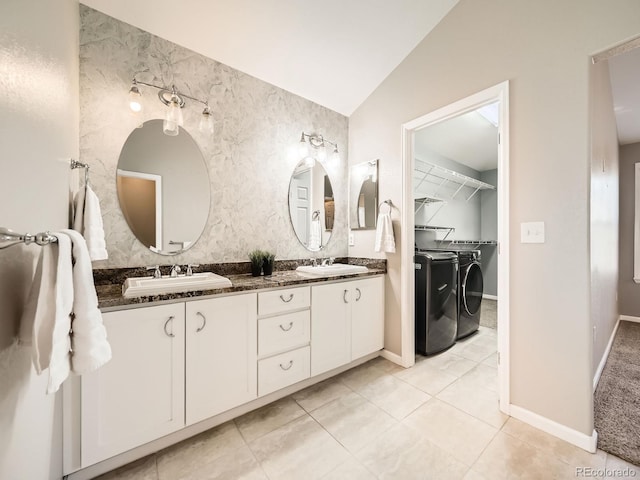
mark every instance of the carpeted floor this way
{"type": "Point", "coordinates": [489, 313]}
{"type": "Point", "coordinates": [617, 397]}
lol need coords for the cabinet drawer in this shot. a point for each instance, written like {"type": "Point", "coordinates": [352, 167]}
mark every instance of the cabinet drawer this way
{"type": "Point", "coordinates": [284, 300]}
{"type": "Point", "coordinates": [284, 332]}
{"type": "Point", "coordinates": [283, 370]}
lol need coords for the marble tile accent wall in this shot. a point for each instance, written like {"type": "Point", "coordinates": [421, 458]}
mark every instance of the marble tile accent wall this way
{"type": "Point", "coordinates": [249, 159]}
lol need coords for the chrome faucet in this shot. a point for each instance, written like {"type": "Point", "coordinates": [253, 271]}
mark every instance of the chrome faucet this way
{"type": "Point", "coordinates": [327, 261]}
{"type": "Point", "coordinates": [314, 262]}
{"type": "Point", "coordinates": [156, 271]}
{"type": "Point", "coordinates": [190, 268]}
{"type": "Point", "coordinates": [175, 270]}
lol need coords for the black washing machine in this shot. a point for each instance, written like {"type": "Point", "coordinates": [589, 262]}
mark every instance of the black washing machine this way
{"type": "Point", "coordinates": [436, 303]}
{"type": "Point", "coordinates": [470, 290]}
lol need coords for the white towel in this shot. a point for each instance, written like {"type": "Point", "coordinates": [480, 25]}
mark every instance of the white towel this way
{"type": "Point", "coordinates": [46, 320]}
{"type": "Point", "coordinates": [385, 240]}
{"type": "Point", "coordinates": [89, 342]}
{"type": "Point", "coordinates": [315, 234]}
{"type": "Point", "coordinates": [88, 221]}
{"type": "Point", "coordinates": [78, 210]}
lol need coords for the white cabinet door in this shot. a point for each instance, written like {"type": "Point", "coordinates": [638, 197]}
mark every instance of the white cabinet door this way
{"type": "Point", "coordinates": [139, 395]}
{"type": "Point", "coordinates": [221, 370]}
{"type": "Point", "coordinates": [367, 316]}
{"type": "Point", "coordinates": [330, 327]}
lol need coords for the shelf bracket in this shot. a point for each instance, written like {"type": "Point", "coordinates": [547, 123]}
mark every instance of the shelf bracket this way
{"type": "Point", "coordinates": [474, 192]}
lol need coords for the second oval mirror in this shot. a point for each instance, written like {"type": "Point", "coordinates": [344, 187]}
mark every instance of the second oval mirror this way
{"type": "Point", "coordinates": [311, 204]}
{"type": "Point", "coordinates": [163, 188]}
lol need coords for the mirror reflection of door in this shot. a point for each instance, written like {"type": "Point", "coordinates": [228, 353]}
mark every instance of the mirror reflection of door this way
{"type": "Point", "coordinates": [140, 194]}
{"type": "Point", "coordinates": [300, 202]}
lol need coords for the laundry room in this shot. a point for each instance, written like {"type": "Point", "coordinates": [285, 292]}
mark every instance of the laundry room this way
{"type": "Point", "coordinates": [455, 180]}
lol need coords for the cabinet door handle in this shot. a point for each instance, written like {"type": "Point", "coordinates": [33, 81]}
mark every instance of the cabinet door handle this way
{"type": "Point", "coordinates": [167, 332]}
{"type": "Point", "coordinates": [344, 296]}
{"type": "Point", "coordinates": [359, 294]}
{"type": "Point", "coordinates": [286, 329]}
{"type": "Point", "coordinates": [288, 366]}
{"type": "Point", "coordinates": [288, 299]}
{"type": "Point", "coordinates": [204, 322]}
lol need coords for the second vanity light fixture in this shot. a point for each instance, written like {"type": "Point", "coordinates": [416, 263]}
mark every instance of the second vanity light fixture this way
{"type": "Point", "coordinates": [318, 142]}
{"type": "Point", "coordinates": [174, 100]}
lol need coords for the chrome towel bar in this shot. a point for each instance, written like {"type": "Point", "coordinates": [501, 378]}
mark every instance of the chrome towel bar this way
{"type": "Point", "coordinates": [42, 238]}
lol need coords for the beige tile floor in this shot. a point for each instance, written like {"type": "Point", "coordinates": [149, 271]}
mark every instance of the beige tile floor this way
{"type": "Point", "coordinates": [437, 420]}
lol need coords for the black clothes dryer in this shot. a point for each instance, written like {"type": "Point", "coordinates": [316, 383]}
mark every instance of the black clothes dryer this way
{"type": "Point", "coordinates": [436, 304]}
{"type": "Point", "coordinates": [470, 290]}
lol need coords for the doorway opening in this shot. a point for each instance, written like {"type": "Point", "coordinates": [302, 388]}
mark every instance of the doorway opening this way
{"type": "Point", "coordinates": [430, 206]}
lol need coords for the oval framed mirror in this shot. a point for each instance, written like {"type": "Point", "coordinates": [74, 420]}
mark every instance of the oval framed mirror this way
{"type": "Point", "coordinates": [311, 204]}
{"type": "Point", "coordinates": [163, 188]}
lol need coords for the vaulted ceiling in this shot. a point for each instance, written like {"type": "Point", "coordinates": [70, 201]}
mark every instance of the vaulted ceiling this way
{"type": "Point", "coordinates": [333, 52]}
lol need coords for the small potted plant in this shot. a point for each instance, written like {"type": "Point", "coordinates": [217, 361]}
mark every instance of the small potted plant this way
{"type": "Point", "coordinates": [256, 257]}
{"type": "Point", "coordinates": [267, 262]}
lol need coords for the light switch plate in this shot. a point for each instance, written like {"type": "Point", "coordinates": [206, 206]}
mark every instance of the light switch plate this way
{"type": "Point", "coordinates": [532, 232]}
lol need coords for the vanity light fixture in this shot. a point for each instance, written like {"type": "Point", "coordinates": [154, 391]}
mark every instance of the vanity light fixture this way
{"type": "Point", "coordinates": [174, 100]}
{"type": "Point", "coordinates": [318, 142]}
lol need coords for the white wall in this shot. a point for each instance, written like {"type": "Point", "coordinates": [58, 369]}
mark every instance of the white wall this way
{"type": "Point", "coordinates": [543, 49]}
{"type": "Point", "coordinates": [38, 134]}
{"type": "Point", "coordinates": [604, 210]}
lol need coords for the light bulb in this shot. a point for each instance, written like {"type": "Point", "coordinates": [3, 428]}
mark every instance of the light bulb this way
{"type": "Point", "coordinates": [173, 120]}
{"type": "Point", "coordinates": [335, 156]}
{"type": "Point", "coordinates": [322, 152]}
{"type": "Point", "coordinates": [303, 147]}
{"type": "Point", "coordinates": [206, 121]}
{"type": "Point", "coordinates": [135, 99]}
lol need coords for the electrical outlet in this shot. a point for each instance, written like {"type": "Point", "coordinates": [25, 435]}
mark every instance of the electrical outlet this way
{"type": "Point", "coordinates": [594, 333]}
{"type": "Point", "coordinates": [352, 241]}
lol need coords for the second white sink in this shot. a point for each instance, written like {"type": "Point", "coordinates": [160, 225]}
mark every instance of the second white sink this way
{"type": "Point", "coordinates": [331, 270]}
{"type": "Point", "coordinates": [145, 286]}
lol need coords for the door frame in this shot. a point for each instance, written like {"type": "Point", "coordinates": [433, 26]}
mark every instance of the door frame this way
{"type": "Point", "coordinates": [500, 93]}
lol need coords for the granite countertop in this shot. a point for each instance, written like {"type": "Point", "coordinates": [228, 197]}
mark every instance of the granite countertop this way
{"type": "Point", "coordinates": [110, 294]}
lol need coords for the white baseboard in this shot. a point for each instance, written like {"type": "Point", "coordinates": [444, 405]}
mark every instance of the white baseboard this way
{"type": "Point", "coordinates": [629, 318]}
{"type": "Point", "coordinates": [605, 355]}
{"type": "Point", "coordinates": [392, 357]}
{"type": "Point", "coordinates": [489, 297]}
{"type": "Point", "coordinates": [574, 437]}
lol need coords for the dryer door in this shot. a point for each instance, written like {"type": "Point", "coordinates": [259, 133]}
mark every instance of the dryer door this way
{"type": "Point", "coordinates": [472, 288]}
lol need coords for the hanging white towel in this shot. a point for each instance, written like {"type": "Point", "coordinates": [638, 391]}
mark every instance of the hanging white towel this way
{"type": "Point", "coordinates": [89, 342]}
{"type": "Point", "coordinates": [46, 320]}
{"type": "Point", "coordinates": [385, 240]}
{"type": "Point", "coordinates": [315, 234]}
{"type": "Point", "coordinates": [88, 221]}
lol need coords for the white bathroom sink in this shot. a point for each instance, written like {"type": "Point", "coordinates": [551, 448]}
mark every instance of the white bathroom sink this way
{"type": "Point", "coordinates": [145, 286]}
{"type": "Point", "coordinates": [331, 270]}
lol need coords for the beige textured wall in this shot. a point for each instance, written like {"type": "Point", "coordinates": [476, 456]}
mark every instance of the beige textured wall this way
{"type": "Point", "coordinates": [38, 135]}
{"type": "Point", "coordinates": [604, 211]}
{"type": "Point", "coordinates": [249, 159]}
{"type": "Point", "coordinates": [628, 290]}
{"type": "Point", "coordinates": [543, 49]}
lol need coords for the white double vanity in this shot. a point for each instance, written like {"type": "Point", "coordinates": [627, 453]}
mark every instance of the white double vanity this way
{"type": "Point", "coordinates": [181, 368]}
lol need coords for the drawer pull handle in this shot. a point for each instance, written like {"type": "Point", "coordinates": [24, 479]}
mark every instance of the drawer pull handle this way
{"type": "Point", "coordinates": [344, 296]}
{"type": "Point", "coordinates": [288, 366]}
{"type": "Point", "coordinates": [167, 333]}
{"type": "Point", "coordinates": [359, 294]}
{"type": "Point", "coordinates": [204, 322]}
{"type": "Point", "coordinates": [288, 299]}
{"type": "Point", "coordinates": [286, 329]}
